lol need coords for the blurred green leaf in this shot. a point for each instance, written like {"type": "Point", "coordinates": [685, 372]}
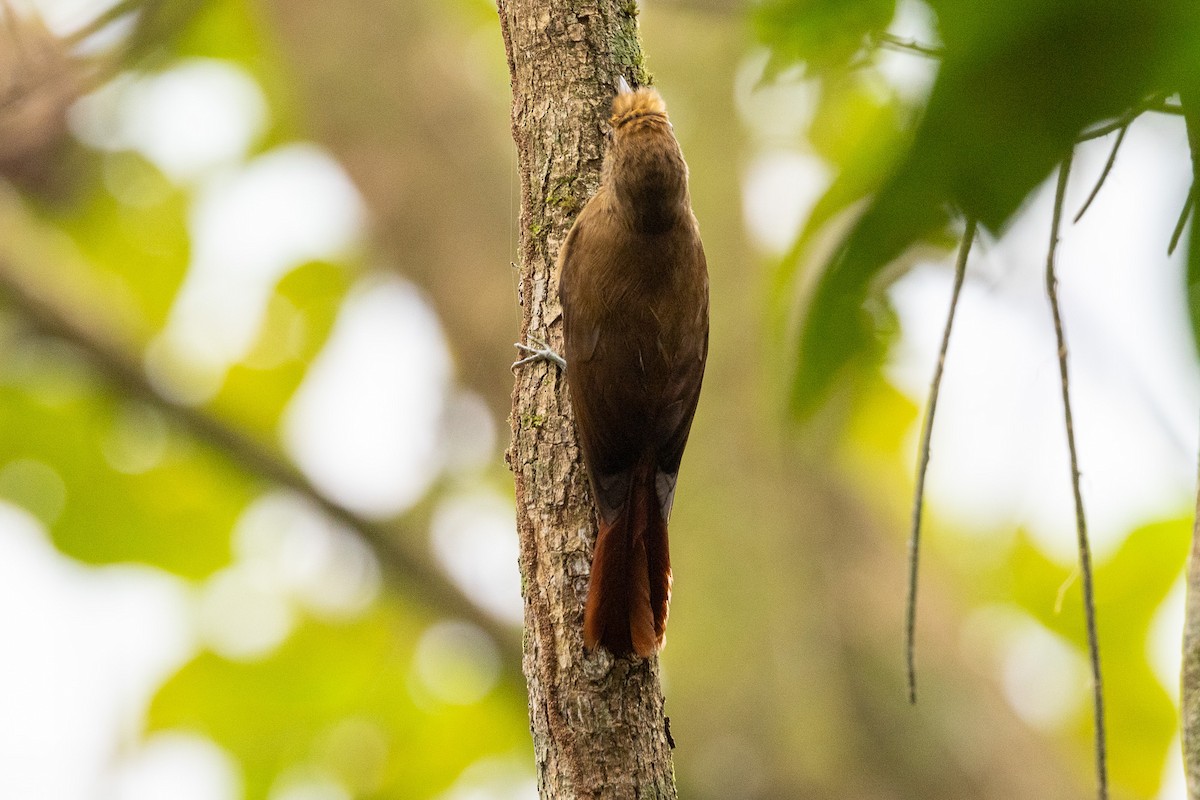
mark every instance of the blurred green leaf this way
{"type": "Point", "coordinates": [1192, 279]}
{"type": "Point", "coordinates": [1190, 96]}
{"type": "Point", "coordinates": [823, 34]}
{"type": "Point", "coordinates": [300, 316]}
{"type": "Point", "coordinates": [842, 330]}
{"type": "Point", "coordinates": [240, 32]}
{"type": "Point", "coordinates": [131, 488]}
{"type": "Point", "coordinates": [160, 23]}
{"type": "Point", "coordinates": [131, 225]}
{"type": "Point", "coordinates": [1131, 586]}
{"type": "Point", "coordinates": [857, 128]}
{"type": "Point", "coordinates": [1019, 81]}
{"type": "Point", "coordinates": [283, 711]}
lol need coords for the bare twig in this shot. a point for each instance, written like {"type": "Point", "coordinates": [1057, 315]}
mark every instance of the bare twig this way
{"type": "Point", "coordinates": [1182, 222]}
{"type": "Point", "coordinates": [413, 572]}
{"type": "Point", "coordinates": [103, 20]}
{"type": "Point", "coordinates": [1104, 129]}
{"type": "Point", "coordinates": [1155, 103]}
{"type": "Point", "coordinates": [1085, 556]}
{"type": "Point", "coordinates": [45, 65]}
{"type": "Point", "coordinates": [729, 8]}
{"type": "Point", "coordinates": [1108, 165]}
{"type": "Point", "coordinates": [914, 541]}
{"type": "Point", "coordinates": [891, 42]}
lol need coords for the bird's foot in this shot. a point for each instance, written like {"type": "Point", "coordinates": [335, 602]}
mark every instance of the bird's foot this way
{"type": "Point", "coordinates": [540, 352]}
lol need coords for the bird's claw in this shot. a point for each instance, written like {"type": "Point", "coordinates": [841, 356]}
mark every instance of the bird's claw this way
{"type": "Point", "coordinates": [541, 352]}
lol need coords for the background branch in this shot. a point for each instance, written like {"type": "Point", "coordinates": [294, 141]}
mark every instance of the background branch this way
{"type": "Point", "coordinates": [914, 542]}
{"type": "Point", "coordinates": [412, 572]}
{"type": "Point", "coordinates": [1085, 555]}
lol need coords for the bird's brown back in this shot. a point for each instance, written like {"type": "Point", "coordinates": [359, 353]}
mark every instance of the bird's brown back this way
{"type": "Point", "coordinates": [634, 292]}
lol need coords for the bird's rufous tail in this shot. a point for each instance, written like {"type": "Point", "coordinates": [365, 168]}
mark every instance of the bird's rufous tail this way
{"type": "Point", "coordinates": [630, 588]}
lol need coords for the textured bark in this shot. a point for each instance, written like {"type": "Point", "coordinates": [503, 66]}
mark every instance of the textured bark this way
{"type": "Point", "coordinates": [597, 722]}
{"type": "Point", "coordinates": [1190, 674]}
{"type": "Point", "coordinates": [1190, 699]}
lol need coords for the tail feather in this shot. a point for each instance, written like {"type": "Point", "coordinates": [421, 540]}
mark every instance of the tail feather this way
{"type": "Point", "coordinates": [630, 589]}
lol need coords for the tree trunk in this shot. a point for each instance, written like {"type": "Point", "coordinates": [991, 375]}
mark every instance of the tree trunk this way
{"type": "Point", "coordinates": [597, 722]}
{"type": "Point", "coordinates": [1189, 701]}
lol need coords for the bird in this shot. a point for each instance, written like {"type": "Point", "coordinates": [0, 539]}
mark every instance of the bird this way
{"type": "Point", "coordinates": [633, 286]}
